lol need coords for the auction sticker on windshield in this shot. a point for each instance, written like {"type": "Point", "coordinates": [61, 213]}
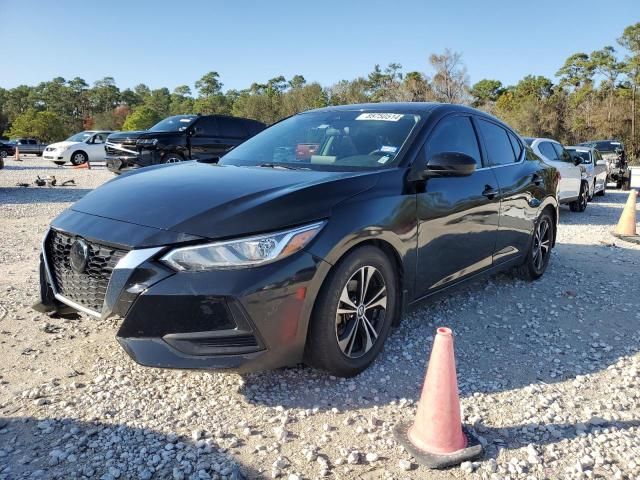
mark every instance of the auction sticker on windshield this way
{"type": "Point", "coordinates": [385, 117]}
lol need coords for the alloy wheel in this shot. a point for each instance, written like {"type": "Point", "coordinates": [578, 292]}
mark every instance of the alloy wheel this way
{"type": "Point", "coordinates": [3, 154]}
{"type": "Point", "coordinates": [79, 158]}
{"type": "Point", "coordinates": [173, 160]}
{"type": "Point", "coordinates": [361, 312]}
{"type": "Point", "coordinates": [541, 243]}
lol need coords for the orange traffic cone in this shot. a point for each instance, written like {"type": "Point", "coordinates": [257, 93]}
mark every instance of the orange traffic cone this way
{"type": "Point", "coordinates": [82, 165]}
{"type": "Point", "coordinates": [436, 438]}
{"type": "Point", "coordinates": [627, 224]}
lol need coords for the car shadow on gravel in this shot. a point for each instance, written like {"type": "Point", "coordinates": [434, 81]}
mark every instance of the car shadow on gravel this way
{"type": "Point", "coordinates": [509, 334]}
{"type": "Point", "coordinates": [35, 194]}
{"type": "Point", "coordinates": [538, 434]}
{"type": "Point", "coordinates": [69, 448]}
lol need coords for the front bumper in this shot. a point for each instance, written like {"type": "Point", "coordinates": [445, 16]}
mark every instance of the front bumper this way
{"type": "Point", "coordinates": [243, 319]}
{"type": "Point", "coordinates": [124, 163]}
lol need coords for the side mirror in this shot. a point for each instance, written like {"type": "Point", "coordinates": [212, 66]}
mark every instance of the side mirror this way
{"type": "Point", "coordinates": [448, 164]}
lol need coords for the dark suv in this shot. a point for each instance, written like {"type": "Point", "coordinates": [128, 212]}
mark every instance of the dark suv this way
{"type": "Point", "coordinates": [178, 138]}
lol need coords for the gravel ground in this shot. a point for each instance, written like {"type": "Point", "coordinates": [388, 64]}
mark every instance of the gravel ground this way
{"type": "Point", "coordinates": [548, 375]}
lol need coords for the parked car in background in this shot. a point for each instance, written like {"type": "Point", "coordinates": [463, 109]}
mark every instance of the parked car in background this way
{"type": "Point", "coordinates": [178, 138]}
{"type": "Point", "coordinates": [595, 166]}
{"type": "Point", "coordinates": [573, 185]}
{"type": "Point", "coordinates": [29, 146]}
{"type": "Point", "coordinates": [614, 154]}
{"type": "Point", "coordinates": [7, 149]}
{"type": "Point", "coordinates": [78, 148]}
{"type": "Point", "coordinates": [305, 242]}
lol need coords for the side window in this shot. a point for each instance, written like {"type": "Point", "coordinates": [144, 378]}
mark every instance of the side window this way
{"type": "Point", "coordinates": [454, 134]}
{"type": "Point", "coordinates": [517, 146]}
{"type": "Point", "coordinates": [563, 155]}
{"type": "Point", "coordinates": [32, 142]}
{"type": "Point", "coordinates": [530, 154]}
{"type": "Point", "coordinates": [231, 127]}
{"type": "Point", "coordinates": [207, 126]}
{"type": "Point", "coordinates": [497, 142]}
{"type": "Point", "coordinates": [547, 150]}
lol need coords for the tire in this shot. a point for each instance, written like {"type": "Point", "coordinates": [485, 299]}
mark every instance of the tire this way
{"type": "Point", "coordinates": [592, 193]}
{"type": "Point", "coordinates": [602, 192]}
{"type": "Point", "coordinates": [1, 163]}
{"type": "Point", "coordinates": [534, 266]}
{"type": "Point", "coordinates": [330, 346]}
{"type": "Point", "coordinates": [172, 157]}
{"type": "Point", "coordinates": [580, 205]}
{"type": "Point", "coordinates": [3, 154]}
{"type": "Point", "coordinates": [79, 157]}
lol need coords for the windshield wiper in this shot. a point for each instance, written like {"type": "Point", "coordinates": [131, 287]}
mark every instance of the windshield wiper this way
{"type": "Point", "coordinates": [279, 165]}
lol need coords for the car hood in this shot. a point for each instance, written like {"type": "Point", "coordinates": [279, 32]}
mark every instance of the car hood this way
{"type": "Point", "coordinates": [64, 144]}
{"type": "Point", "coordinates": [137, 135]}
{"type": "Point", "coordinates": [216, 201]}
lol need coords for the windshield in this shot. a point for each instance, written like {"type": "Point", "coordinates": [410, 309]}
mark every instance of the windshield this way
{"type": "Point", "coordinates": [345, 140]}
{"type": "Point", "coordinates": [583, 154]}
{"type": "Point", "coordinates": [174, 124]}
{"type": "Point", "coordinates": [606, 146]}
{"type": "Point", "coordinates": [80, 137]}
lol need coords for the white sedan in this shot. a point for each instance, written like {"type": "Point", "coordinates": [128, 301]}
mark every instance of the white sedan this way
{"type": "Point", "coordinates": [79, 148]}
{"type": "Point", "coordinates": [573, 188]}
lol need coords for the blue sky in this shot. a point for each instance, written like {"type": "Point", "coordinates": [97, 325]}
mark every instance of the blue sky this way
{"type": "Point", "coordinates": [170, 43]}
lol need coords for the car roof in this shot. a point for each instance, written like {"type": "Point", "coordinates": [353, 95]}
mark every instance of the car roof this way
{"type": "Point", "coordinates": [533, 139]}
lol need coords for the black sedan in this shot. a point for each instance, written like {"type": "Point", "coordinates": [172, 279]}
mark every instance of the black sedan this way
{"type": "Point", "coordinates": [308, 241]}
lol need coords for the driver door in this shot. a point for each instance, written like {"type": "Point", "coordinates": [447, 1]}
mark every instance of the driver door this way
{"type": "Point", "coordinates": [458, 217]}
{"type": "Point", "coordinates": [95, 147]}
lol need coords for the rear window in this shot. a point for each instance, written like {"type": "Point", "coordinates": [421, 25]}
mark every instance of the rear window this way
{"type": "Point", "coordinates": [605, 146]}
{"type": "Point", "coordinates": [583, 154]}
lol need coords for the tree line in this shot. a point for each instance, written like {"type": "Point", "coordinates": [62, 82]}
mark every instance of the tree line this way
{"type": "Point", "coordinates": [593, 97]}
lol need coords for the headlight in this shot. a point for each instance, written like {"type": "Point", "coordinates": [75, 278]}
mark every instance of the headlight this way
{"type": "Point", "coordinates": [63, 148]}
{"type": "Point", "coordinates": [243, 252]}
{"type": "Point", "coordinates": [148, 141]}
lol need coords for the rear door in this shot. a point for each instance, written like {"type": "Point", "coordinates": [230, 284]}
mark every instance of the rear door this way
{"type": "Point", "coordinates": [569, 169]}
{"type": "Point", "coordinates": [233, 131]}
{"type": "Point", "coordinates": [457, 216]}
{"type": "Point", "coordinates": [521, 189]}
{"type": "Point", "coordinates": [206, 143]}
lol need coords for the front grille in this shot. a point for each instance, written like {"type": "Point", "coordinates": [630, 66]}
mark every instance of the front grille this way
{"type": "Point", "coordinates": [90, 287]}
{"type": "Point", "coordinates": [114, 149]}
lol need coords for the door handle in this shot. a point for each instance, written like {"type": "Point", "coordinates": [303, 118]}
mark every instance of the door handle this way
{"type": "Point", "coordinates": [489, 192]}
{"type": "Point", "coordinates": [536, 179]}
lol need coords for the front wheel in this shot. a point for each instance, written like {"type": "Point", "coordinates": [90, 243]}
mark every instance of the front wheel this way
{"type": "Point", "coordinates": [78, 158]}
{"type": "Point", "coordinates": [3, 154]}
{"type": "Point", "coordinates": [540, 251]}
{"type": "Point", "coordinates": [580, 204]}
{"type": "Point", "coordinates": [172, 157]}
{"type": "Point", "coordinates": [353, 313]}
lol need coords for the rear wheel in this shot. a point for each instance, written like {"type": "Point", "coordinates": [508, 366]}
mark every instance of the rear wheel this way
{"type": "Point", "coordinates": [78, 158]}
{"type": "Point", "coordinates": [353, 313]}
{"type": "Point", "coordinates": [1, 163]}
{"type": "Point", "coordinates": [3, 154]}
{"type": "Point", "coordinates": [540, 250]}
{"type": "Point", "coordinates": [581, 203]}
{"type": "Point", "coordinates": [604, 188]}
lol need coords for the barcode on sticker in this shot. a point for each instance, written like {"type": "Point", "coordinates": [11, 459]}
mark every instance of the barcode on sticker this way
{"type": "Point", "coordinates": [385, 117]}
